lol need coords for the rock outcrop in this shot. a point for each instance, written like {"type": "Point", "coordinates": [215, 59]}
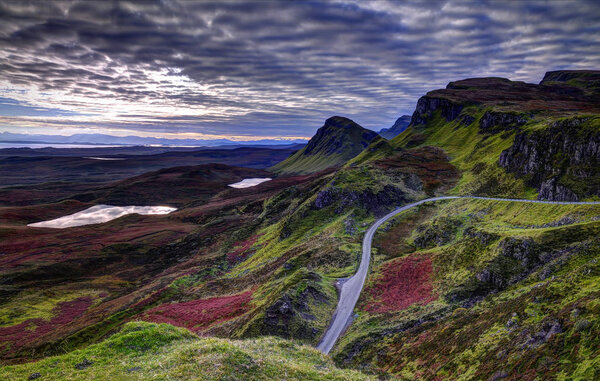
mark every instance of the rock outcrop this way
{"type": "Point", "coordinates": [494, 121]}
{"type": "Point", "coordinates": [377, 203]}
{"type": "Point", "coordinates": [427, 105]}
{"type": "Point", "coordinates": [337, 141]}
{"type": "Point", "coordinates": [561, 161]}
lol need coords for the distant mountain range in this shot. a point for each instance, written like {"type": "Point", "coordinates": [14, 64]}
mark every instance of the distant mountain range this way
{"type": "Point", "coordinates": [399, 126]}
{"type": "Point", "coordinates": [102, 139]}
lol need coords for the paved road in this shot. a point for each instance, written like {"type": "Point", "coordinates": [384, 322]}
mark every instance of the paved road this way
{"type": "Point", "coordinates": [351, 288]}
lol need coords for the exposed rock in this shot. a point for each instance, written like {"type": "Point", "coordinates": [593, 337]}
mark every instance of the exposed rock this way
{"type": "Point", "coordinates": [524, 250]}
{"type": "Point", "coordinates": [350, 226]}
{"type": "Point", "coordinates": [566, 152]}
{"type": "Point", "coordinates": [499, 375]}
{"type": "Point", "coordinates": [552, 190]}
{"type": "Point", "coordinates": [483, 237]}
{"type": "Point", "coordinates": [84, 364]}
{"type": "Point", "coordinates": [466, 120]}
{"type": "Point", "coordinates": [545, 334]}
{"type": "Point", "coordinates": [335, 143]}
{"type": "Point", "coordinates": [376, 203]}
{"type": "Point", "coordinates": [427, 105]}
{"type": "Point", "coordinates": [440, 232]}
{"type": "Point", "coordinates": [494, 121]}
{"type": "Point", "coordinates": [290, 315]}
{"type": "Point", "coordinates": [34, 376]}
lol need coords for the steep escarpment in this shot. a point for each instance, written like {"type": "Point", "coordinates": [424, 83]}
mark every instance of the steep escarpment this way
{"type": "Point", "coordinates": [339, 140]}
{"type": "Point", "coordinates": [515, 139]}
{"type": "Point", "coordinates": [427, 105]}
{"type": "Point", "coordinates": [561, 161]}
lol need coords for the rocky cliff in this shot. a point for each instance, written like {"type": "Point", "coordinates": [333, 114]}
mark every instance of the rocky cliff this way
{"type": "Point", "coordinates": [561, 161]}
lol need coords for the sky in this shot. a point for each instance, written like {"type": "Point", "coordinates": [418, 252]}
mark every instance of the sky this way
{"type": "Point", "coordinates": [265, 69]}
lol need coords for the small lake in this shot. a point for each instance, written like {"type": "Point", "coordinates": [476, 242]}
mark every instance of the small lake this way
{"type": "Point", "coordinates": [99, 214]}
{"type": "Point", "coordinates": [247, 183]}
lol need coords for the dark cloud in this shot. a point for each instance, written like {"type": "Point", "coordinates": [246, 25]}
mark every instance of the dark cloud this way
{"type": "Point", "coordinates": [274, 68]}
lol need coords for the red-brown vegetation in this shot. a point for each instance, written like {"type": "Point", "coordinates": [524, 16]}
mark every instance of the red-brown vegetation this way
{"type": "Point", "coordinates": [242, 250]}
{"type": "Point", "coordinates": [431, 164]}
{"type": "Point", "coordinates": [404, 282]}
{"type": "Point", "coordinates": [18, 336]}
{"type": "Point", "coordinates": [198, 315]}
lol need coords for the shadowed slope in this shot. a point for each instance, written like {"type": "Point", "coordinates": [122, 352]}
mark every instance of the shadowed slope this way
{"type": "Point", "coordinates": [339, 140]}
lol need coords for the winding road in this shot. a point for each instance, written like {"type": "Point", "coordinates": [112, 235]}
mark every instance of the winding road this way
{"type": "Point", "coordinates": [351, 288]}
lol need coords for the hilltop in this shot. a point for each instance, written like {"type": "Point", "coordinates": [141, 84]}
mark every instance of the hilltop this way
{"type": "Point", "coordinates": [512, 138]}
{"type": "Point", "coordinates": [399, 126]}
{"type": "Point", "coordinates": [145, 351]}
{"type": "Point", "coordinates": [339, 140]}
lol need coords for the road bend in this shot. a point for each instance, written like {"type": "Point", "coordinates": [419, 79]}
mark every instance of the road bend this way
{"type": "Point", "coordinates": [351, 288]}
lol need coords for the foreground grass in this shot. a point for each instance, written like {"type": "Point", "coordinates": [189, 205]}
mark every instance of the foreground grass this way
{"type": "Point", "coordinates": [147, 351]}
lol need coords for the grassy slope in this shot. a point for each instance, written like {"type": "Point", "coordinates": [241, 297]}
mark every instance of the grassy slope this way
{"type": "Point", "coordinates": [475, 154]}
{"type": "Point", "coordinates": [507, 333]}
{"type": "Point", "coordinates": [301, 164]}
{"type": "Point", "coordinates": [146, 351]}
{"type": "Point", "coordinates": [339, 140]}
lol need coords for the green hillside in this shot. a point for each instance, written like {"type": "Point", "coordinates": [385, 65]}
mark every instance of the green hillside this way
{"type": "Point", "coordinates": [146, 351]}
{"type": "Point", "coordinates": [474, 289]}
{"type": "Point", "coordinates": [339, 140]}
{"type": "Point", "coordinates": [514, 139]}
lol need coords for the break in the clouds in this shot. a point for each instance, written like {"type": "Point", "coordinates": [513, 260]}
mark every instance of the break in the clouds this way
{"type": "Point", "coordinates": [265, 68]}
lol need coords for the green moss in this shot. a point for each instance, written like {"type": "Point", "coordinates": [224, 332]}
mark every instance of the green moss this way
{"type": "Point", "coordinates": [40, 304]}
{"type": "Point", "coordinates": [145, 351]}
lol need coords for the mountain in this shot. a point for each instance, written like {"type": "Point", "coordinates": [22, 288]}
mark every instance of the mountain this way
{"type": "Point", "coordinates": [513, 138]}
{"type": "Point", "coordinates": [103, 139]}
{"type": "Point", "coordinates": [456, 288]}
{"type": "Point", "coordinates": [339, 140]}
{"type": "Point", "coordinates": [484, 288]}
{"type": "Point", "coordinates": [399, 126]}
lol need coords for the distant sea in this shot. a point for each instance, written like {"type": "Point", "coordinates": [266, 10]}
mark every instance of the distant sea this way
{"type": "Point", "coordinates": [54, 145]}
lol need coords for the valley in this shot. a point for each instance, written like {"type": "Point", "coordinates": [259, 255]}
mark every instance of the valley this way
{"type": "Point", "coordinates": [467, 245]}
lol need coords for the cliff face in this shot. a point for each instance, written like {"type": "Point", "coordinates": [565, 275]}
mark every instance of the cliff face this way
{"type": "Point", "coordinates": [493, 121]}
{"type": "Point", "coordinates": [428, 104]}
{"type": "Point", "coordinates": [551, 128]}
{"type": "Point", "coordinates": [561, 161]}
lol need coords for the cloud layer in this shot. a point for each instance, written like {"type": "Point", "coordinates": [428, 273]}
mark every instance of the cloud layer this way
{"type": "Point", "coordinates": [270, 69]}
